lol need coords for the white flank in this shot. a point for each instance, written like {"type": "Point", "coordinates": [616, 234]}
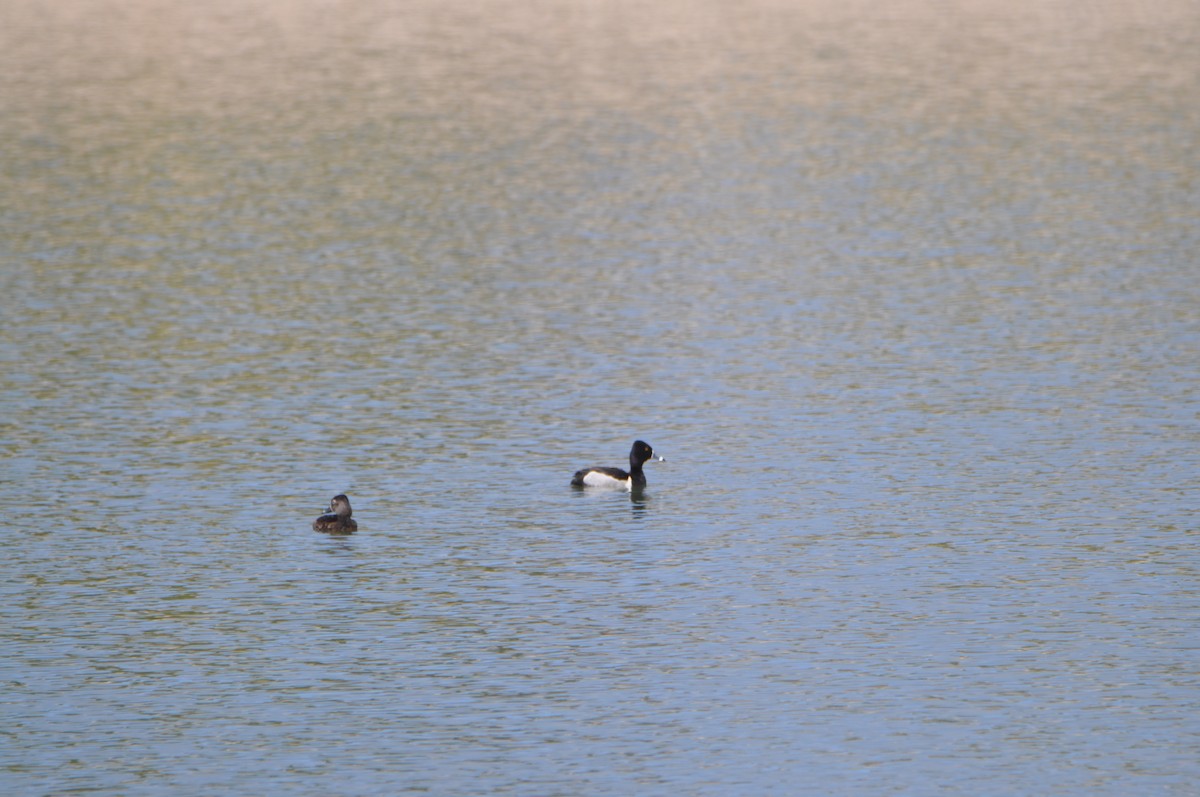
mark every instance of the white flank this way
{"type": "Point", "coordinates": [594, 479]}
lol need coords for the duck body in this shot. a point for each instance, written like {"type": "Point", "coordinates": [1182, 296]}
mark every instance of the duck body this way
{"type": "Point", "coordinates": [338, 521]}
{"type": "Point", "coordinates": [616, 478]}
{"type": "Point", "coordinates": [610, 478]}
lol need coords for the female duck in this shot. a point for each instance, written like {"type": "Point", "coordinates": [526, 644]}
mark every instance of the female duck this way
{"type": "Point", "coordinates": [339, 520]}
{"type": "Point", "coordinates": [615, 478]}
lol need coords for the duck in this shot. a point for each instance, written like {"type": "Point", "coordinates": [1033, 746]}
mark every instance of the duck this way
{"type": "Point", "coordinates": [339, 520]}
{"type": "Point", "coordinates": [615, 478]}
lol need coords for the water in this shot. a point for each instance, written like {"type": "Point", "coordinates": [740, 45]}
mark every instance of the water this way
{"type": "Point", "coordinates": [907, 297]}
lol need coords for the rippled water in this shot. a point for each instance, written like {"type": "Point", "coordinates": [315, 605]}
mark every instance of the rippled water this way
{"type": "Point", "coordinates": [907, 296]}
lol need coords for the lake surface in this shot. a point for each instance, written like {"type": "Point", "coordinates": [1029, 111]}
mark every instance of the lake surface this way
{"type": "Point", "coordinates": [909, 297]}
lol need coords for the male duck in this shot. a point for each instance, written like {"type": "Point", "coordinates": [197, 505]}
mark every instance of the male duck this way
{"type": "Point", "coordinates": [615, 478]}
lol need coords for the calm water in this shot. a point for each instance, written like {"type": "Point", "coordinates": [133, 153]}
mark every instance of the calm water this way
{"type": "Point", "coordinates": [908, 297]}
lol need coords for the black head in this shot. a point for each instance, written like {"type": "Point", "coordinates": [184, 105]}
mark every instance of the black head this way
{"type": "Point", "coordinates": [640, 453]}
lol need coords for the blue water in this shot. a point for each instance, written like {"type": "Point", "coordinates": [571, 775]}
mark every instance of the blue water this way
{"type": "Point", "coordinates": [907, 300]}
